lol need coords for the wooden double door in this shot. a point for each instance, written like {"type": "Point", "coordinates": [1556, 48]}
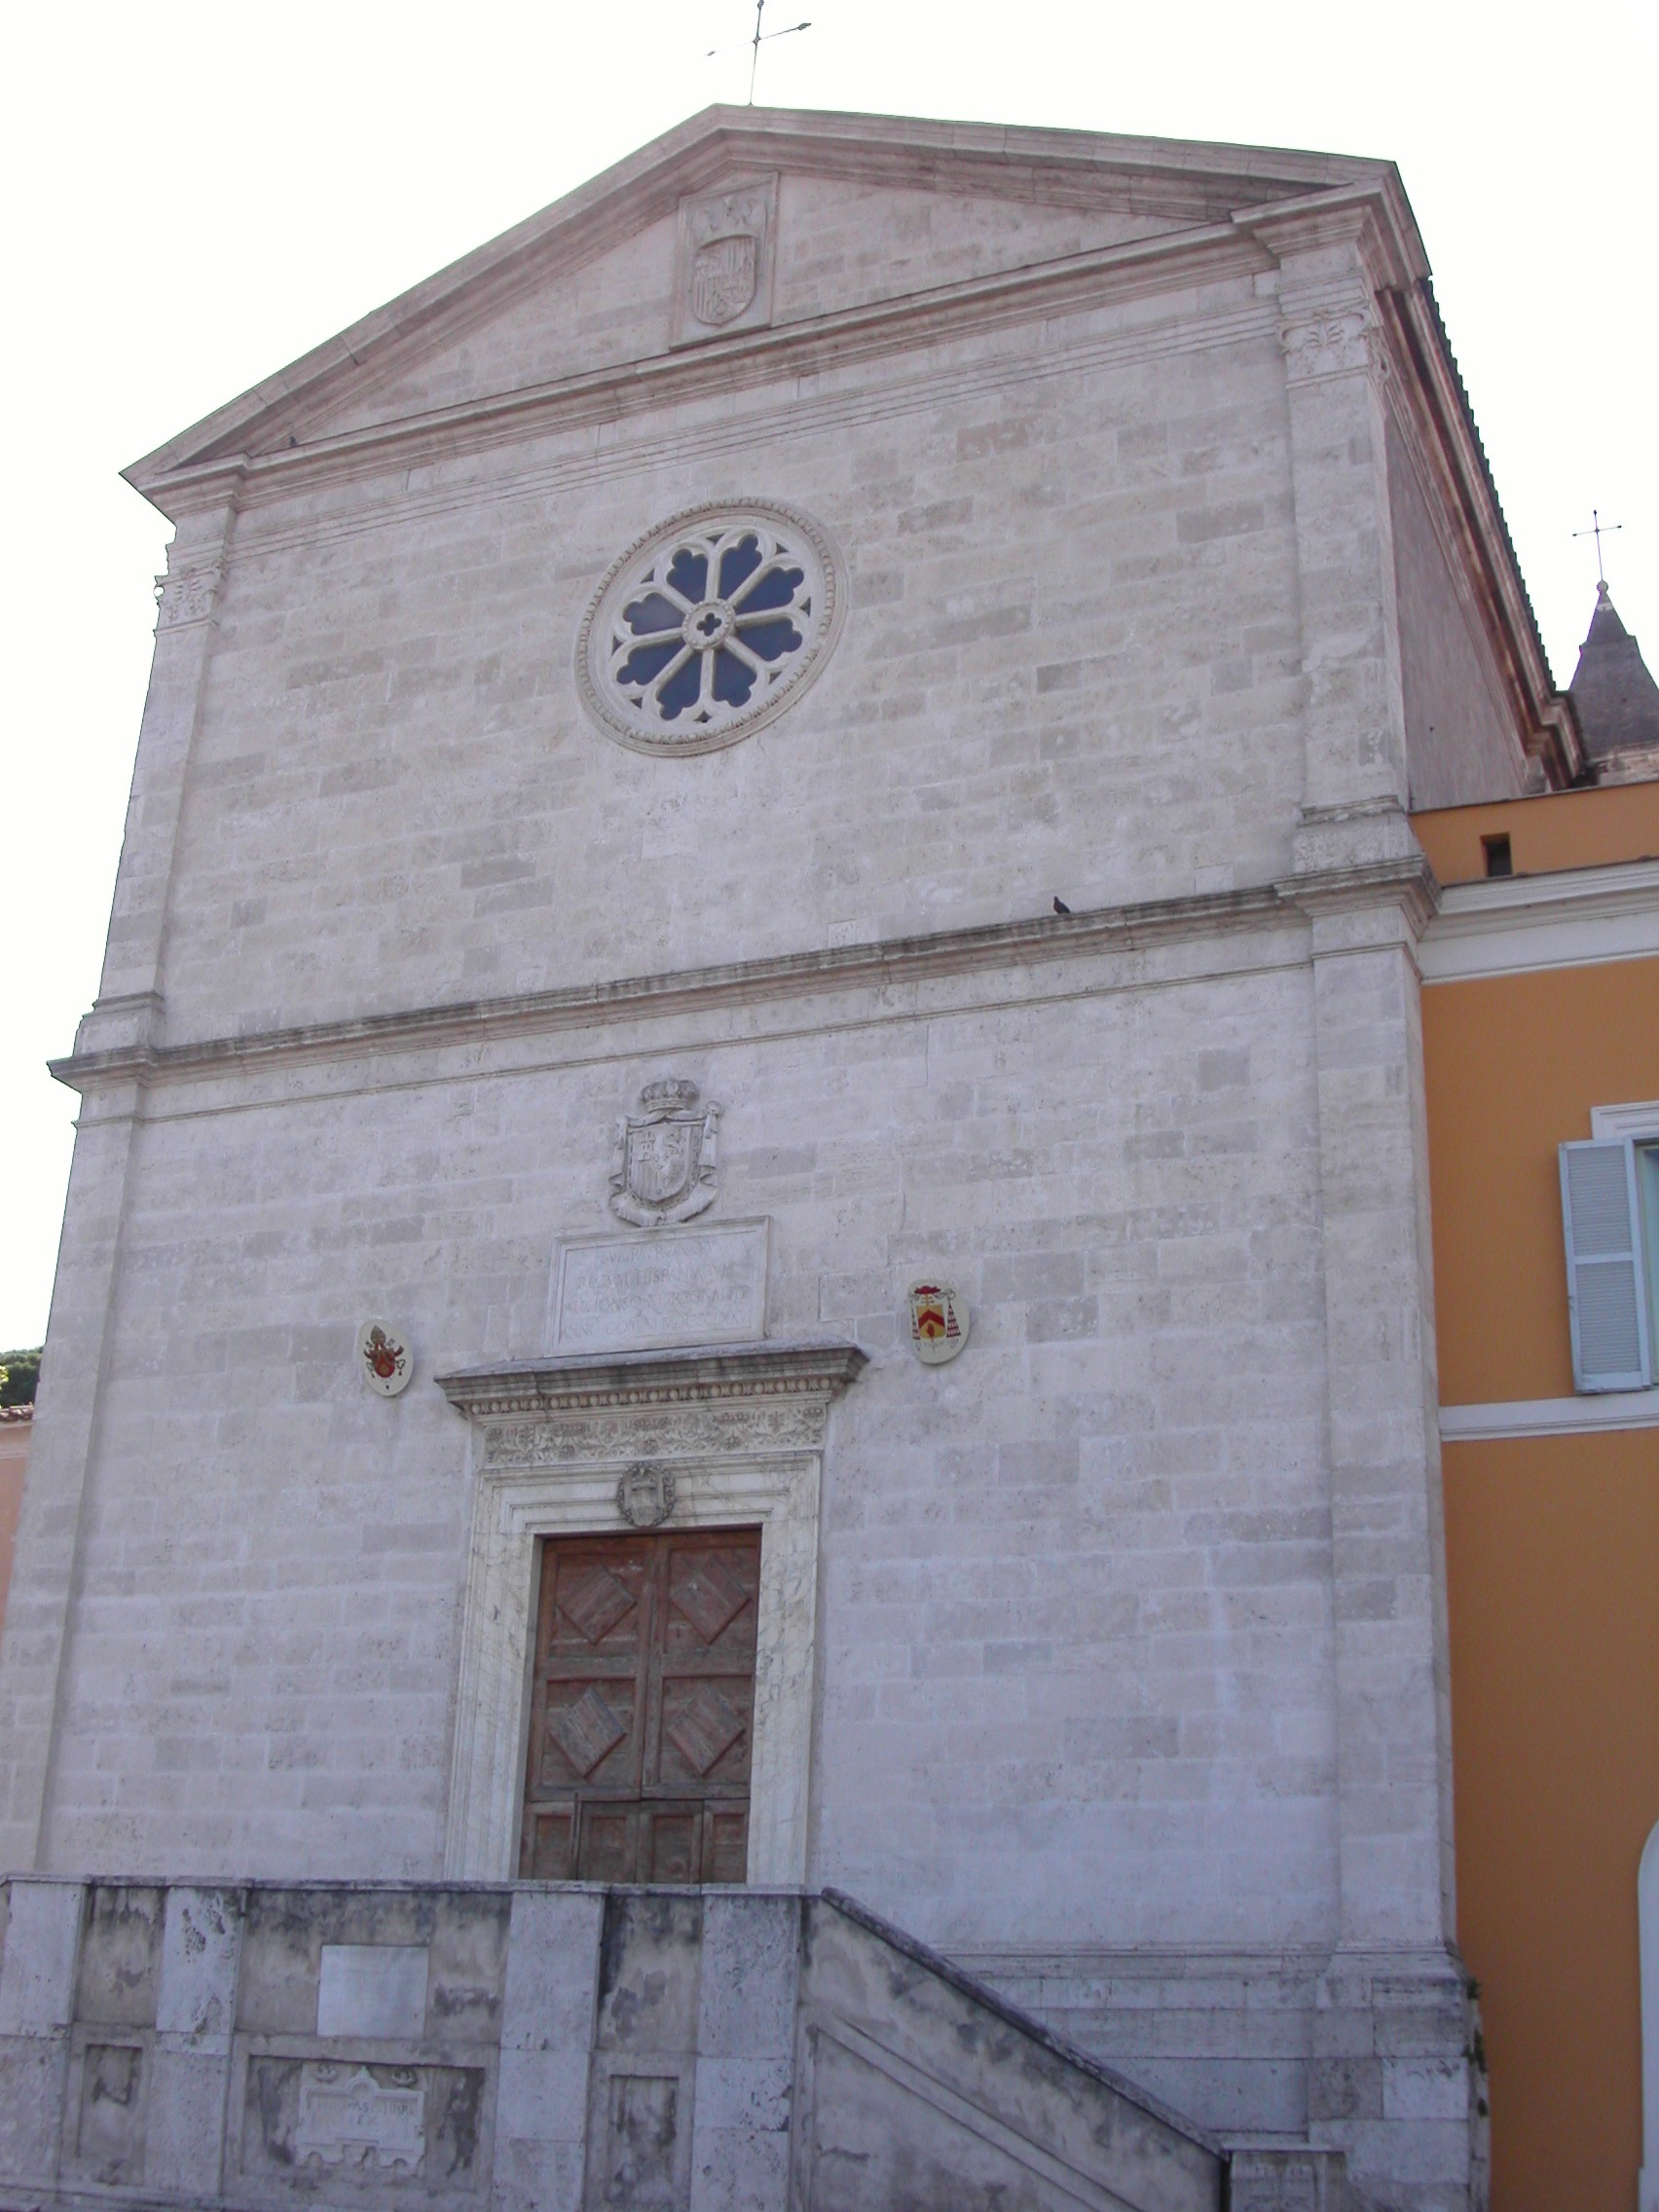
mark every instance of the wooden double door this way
{"type": "Point", "coordinates": [643, 1708]}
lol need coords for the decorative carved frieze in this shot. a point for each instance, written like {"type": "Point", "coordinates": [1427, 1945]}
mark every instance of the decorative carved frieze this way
{"type": "Point", "coordinates": [676, 1431]}
{"type": "Point", "coordinates": [763, 1398]}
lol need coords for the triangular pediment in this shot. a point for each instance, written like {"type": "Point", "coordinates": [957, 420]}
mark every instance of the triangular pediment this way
{"type": "Point", "coordinates": [865, 211]}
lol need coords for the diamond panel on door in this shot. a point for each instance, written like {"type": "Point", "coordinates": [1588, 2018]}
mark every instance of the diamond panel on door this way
{"type": "Point", "coordinates": [642, 1708]}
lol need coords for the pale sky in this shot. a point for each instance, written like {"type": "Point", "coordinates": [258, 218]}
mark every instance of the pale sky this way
{"type": "Point", "coordinates": [199, 194]}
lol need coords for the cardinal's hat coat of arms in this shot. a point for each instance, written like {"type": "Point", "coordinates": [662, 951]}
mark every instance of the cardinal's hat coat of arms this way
{"type": "Point", "coordinates": [938, 1321]}
{"type": "Point", "coordinates": [663, 1167]}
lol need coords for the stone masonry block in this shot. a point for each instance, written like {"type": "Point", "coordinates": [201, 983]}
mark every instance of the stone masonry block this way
{"type": "Point", "coordinates": [739, 2148]}
{"type": "Point", "coordinates": [552, 1969]}
{"type": "Point", "coordinates": [201, 1952]}
{"type": "Point", "coordinates": [1425, 2089]}
{"type": "Point", "coordinates": [749, 1969]}
{"type": "Point", "coordinates": [37, 1968]}
{"type": "Point", "coordinates": [1345, 2088]}
{"type": "Point", "coordinates": [548, 2027]}
{"type": "Point", "coordinates": [185, 2118]}
{"type": "Point", "coordinates": [33, 2070]}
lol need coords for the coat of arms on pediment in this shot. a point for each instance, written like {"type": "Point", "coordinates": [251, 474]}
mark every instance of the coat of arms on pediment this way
{"type": "Point", "coordinates": [663, 1166]}
{"type": "Point", "coordinates": [725, 279]}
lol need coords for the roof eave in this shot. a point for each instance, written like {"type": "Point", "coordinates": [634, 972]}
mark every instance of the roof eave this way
{"type": "Point", "coordinates": [1557, 739]}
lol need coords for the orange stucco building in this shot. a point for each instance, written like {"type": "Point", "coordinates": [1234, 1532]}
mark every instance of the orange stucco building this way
{"type": "Point", "coordinates": [1540, 1029]}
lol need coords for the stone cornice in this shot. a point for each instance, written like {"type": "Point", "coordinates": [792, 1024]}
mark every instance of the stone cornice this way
{"type": "Point", "coordinates": [1061, 168]}
{"type": "Point", "coordinates": [697, 1376]}
{"type": "Point", "coordinates": [1176, 261]}
{"type": "Point", "coordinates": [1371, 219]}
{"type": "Point", "coordinates": [1338, 881]}
{"type": "Point", "coordinates": [1408, 884]}
{"type": "Point", "coordinates": [1519, 923]}
{"type": "Point", "coordinates": [1590, 1416]}
{"type": "Point", "coordinates": [134, 1056]}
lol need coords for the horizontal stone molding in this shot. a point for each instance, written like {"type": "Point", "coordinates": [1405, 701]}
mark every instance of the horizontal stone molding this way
{"type": "Point", "coordinates": [1514, 925]}
{"type": "Point", "coordinates": [419, 496]}
{"type": "Point", "coordinates": [1205, 255]}
{"type": "Point", "coordinates": [1550, 1417]}
{"type": "Point", "coordinates": [700, 1375]}
{"type": "Point", "coordinates": [1133, 928]}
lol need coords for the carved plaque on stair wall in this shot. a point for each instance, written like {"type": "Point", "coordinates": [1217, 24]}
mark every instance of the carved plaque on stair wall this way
{"type": "Point", "coordinates": [643, 1708]}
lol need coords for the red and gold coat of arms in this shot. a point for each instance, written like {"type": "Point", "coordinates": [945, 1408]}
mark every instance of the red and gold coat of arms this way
{"type": "Point", "coordinates": [937, 1322]}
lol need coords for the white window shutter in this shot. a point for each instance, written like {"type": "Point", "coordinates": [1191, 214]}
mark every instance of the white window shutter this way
{"type": "Point", "coordinates": [1605, 1285]}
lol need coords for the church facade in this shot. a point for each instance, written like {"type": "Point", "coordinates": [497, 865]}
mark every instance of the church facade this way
{"type": "Point", "coordinates": [751, 1200]}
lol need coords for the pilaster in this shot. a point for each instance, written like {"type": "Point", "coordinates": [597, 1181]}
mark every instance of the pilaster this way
{"type": "Point", "coordinates": [42, 1596]}
{"type": "Point", "coordinates": [126, 1018]}
{"type": "Point", "coordinates": [1388, 2080]}
{"type": "Point", "coordinates": [1335, 364]}
{"type": "Point", "coordinates": [1368, 892]}
{"type": "Point", "coordinates": [185, 623]}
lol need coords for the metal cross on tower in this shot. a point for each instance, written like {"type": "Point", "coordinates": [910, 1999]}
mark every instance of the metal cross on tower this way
{"type": "Point", "coordinates": [755, 43]}
{"type": "Point", "coordinates": [1598, 531]}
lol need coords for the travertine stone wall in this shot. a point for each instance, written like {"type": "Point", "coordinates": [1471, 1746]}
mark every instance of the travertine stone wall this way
{"type": "Point", "coordinates": [1070, 666]}
{"type": "Point", "coordinates": [1459, 744]}
{"type": "Point", "coordinates": [1094, 1554]}
{"type": "Point", "coordinates": [1129, 1630]}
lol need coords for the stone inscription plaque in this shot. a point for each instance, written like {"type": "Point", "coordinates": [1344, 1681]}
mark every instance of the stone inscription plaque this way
{"type": "Point", "coordinates": [371, 1989]}
{"type": "Point", "coordinates": [349, 2118]}
{"type": "Point", "coordinates": [705, 1286]}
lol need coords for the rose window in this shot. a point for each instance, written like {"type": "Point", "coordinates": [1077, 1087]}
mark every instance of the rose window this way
{"type": "Point", "coordinates": [708, 627]}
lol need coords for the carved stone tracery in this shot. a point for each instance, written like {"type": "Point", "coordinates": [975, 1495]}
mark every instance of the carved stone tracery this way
{"type": "Point", "coordinates": [708, 627]}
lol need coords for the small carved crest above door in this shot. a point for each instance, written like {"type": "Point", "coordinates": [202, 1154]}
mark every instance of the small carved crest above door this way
{"type": "Point", "coordinates": [663, 1166]}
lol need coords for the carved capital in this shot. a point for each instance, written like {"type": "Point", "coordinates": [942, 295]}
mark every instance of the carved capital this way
{"type": "Point", "coordinates": [186, 597]}
{"type": "Point", "coordinates": [1333, 342]}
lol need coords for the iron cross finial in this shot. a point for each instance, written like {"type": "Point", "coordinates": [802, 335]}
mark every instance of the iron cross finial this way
{"type": "Point", "coordinates": [755, 43]}
{"type": "Point", "coordinates": [1598, 531]}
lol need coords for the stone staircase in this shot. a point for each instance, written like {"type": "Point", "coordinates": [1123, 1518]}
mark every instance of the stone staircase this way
{"type": "Point", "coordinates": [561, 2048]}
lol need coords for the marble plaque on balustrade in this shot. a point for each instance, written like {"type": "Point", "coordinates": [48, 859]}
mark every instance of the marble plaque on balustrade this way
{"type": "Point", "coordinates": [672, 1287]}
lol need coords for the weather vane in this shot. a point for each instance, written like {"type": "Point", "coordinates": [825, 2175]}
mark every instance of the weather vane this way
{"type": "Point", "coordinates": [1598, 531]}
{"type": "Point", "coordinates": [755, 43]}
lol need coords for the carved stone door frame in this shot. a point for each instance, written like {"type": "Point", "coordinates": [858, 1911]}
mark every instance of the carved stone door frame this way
{"type": "Point", "coordinates": [742, 1433]}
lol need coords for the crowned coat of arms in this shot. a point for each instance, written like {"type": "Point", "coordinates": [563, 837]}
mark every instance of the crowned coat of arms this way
{"type": "Point", "coordinates": [663, 1166]}
{"type": "Point", "coordinates": [725, 279]}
